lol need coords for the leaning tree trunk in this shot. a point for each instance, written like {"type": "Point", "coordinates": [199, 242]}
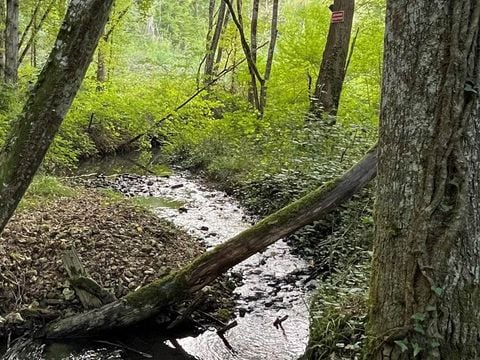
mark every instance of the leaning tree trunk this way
{"type": "Point", "coordinates": [326, 97]}
{"type": "Point", "coordinates": [175, 288]}
{"type": "Point", "coordinates": [49, 101]}
{"type": "Point", "coordinates": [425, 290]}
{"type": "Point", "coordinates": [11, 42]}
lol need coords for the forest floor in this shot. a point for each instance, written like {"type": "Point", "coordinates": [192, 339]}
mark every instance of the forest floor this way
{"type": "Point", "coordinates": [121, 245]}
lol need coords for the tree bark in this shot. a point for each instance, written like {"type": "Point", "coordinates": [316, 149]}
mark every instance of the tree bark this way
{"type": "Point", "coordinates": [271, 52]}
{"type": "Point", "coordinates": [102, 75]}
{"type": "Point", "coordinates": [254, 29]}
{"type": "Point", "coordinates": [2, 39]}
{"type": "Point", "coordinates": [424, 294]}
{"type": "Point", "coordinates": [213, 45]}
{"type": "Point", "coordinates": [11, 42]}
{"type": "Point", "coordinates": [211, 18]}
{"type": "Point", "coordinates": [47, 104]}
{"type": "Point", "coordinates": [176, 287]}
{"type": "Point", "coordinates": [252, 67]}
{"type": "Point", "coordinates": [328, 88]}
{"type": "Point", "coordinates": [253, 44]}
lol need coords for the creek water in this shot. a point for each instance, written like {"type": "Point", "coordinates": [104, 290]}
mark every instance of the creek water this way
{"type": "Point", "coordinates": [272, 286]}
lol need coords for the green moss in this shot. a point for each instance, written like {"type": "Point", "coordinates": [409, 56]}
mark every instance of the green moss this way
{"type": "Point", "coordinates": [158, 293]}
{"type": "Point", "coordinates": [223, 314]}
{"type": "Point", "coordinates": [112, 194]}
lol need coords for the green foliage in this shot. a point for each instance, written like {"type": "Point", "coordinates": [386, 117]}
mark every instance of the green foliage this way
{"type": "Point", "coordinates": [338, 312]}
{"type": "Point", "coordinates": [280, 156]}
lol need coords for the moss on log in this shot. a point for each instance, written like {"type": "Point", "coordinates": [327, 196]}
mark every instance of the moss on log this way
{"type": "Point", "coordinates": [174, 288]}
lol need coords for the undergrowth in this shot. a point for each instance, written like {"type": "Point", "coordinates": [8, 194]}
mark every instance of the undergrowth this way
{"type": "Point", "coordinates": [338, 316]}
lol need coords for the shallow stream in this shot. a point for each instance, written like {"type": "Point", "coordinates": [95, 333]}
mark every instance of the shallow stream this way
{"type": "Point", "coordinates": [272, 287]}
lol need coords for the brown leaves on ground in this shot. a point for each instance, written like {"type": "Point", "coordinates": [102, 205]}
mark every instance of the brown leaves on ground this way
{"type": "Point", "coordinates": [121, 246]}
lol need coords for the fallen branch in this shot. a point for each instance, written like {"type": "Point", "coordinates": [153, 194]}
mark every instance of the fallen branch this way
{"type": "Point", "coordinates": [227, 327]}
{"type": "Point", "coordinates": [278, 322]}
{"type": "Point", "coordinates": [180, 285]}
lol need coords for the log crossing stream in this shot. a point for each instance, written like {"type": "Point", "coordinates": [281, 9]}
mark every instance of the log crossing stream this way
{"type": "Point", "coordinates": [272, 285]}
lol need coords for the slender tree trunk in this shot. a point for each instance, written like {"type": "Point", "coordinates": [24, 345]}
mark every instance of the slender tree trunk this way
{"type": "Point", "coordinates": [252, 67]}
{"type": "Point", "coordinates": [254, 29]}
{"type": "Point", "coordinates": [425, 289]}
{"type": "Point", "coordinates": [149, 300]}
{"type": "Point", "coordinates": [35, 31]}
{"type": "Point", "coordinates": [213, 45]}
{"type": "Point", "coordinates": [253, 44]}
{"type": "Point", "coordinates": [34, 45]}
{"type": "Point", "coordinates": [328, 88]}
{"type": "Point", "coordinates": [2, 39]}
{"type": "Point", "coordinates": [57, 85]}
{"type": "Point", "coordinates": [271, 52]}
{"type": "Point", "coordinates": [211, 18]}
{"type": "Point", "coordinates": [102, 74]}
{"type": "Point", "coordinates": [30, 24]}
{"type": "Point", "coordinates": [11, 42]}
{"type": "Point", "coordinates": [220, 51]}
{"type": "Point", "coordinates": [106, 43]}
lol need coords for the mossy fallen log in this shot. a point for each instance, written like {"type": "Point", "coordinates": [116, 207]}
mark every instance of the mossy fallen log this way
{"type": "Point", "coordinates": [176, 287]}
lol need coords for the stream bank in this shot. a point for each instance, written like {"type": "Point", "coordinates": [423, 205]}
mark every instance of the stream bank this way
{"type": "Point", "coordinates": [273, 282]}
{"type": "Point", "coordinates": [272, 286]}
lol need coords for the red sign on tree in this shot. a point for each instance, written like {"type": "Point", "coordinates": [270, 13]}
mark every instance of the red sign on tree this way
{"type": "Point", "coordinates": [338, 17]}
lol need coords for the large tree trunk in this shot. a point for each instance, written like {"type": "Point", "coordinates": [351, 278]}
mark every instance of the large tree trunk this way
{"type": "Point", "coordinates": [11, 42]}
{"type": "Point", "coordinates": [150, 300]}
{"type": "Point", "coordinates": [49, 101]}
{"type": "Point", "coordinates": [425, 284]}
{"type": "Point", "coordinates": [328, 88]}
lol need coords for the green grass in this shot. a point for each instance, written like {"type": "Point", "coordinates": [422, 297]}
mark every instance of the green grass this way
{"type": "Point", "coordinates": [45, 188]}
{"type": "Point", "coordinates": [142, 202]}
